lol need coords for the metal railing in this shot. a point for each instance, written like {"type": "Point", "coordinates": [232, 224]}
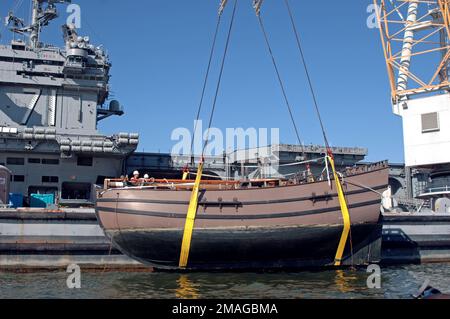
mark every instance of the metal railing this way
{"type": "Point", "coordinates": [441, 189]}
{"type": "Point", "coordinates": [416, 204]}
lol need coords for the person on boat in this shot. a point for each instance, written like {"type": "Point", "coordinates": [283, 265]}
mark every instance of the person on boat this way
{"type": "Point", "coordinates": [135, 179]}
{"type": "Point", "coordinates": [309, 174]}
{"type": "Point", "coordinates": [142, 181]}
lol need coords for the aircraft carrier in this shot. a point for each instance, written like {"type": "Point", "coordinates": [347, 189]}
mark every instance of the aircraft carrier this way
{"type": "Point", "coordinates": [51, 101]}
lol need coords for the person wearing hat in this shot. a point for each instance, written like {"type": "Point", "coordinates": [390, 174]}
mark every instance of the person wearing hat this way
{"type": "Point", "coordinates": [135, 178]}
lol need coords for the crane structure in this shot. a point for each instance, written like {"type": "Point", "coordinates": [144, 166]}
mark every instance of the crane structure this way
{"type": "Point", "coordinates": [413, 32]}
{"type": "Point", "coordinates": [415, 39]}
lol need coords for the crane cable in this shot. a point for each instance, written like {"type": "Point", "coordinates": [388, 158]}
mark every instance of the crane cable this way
{"type": "Point", "coordinates": [347, 233]}
{"type": "Point", "coordinates": [219, 82]}
{"type": "Point", "coordinates": [282, 86]}
{"type": "Point", "coordinates": [308, 76]}
{"type": "Point", "coordinates": [205, 83]}
{"type": "Point", "coordinates": [193, 203]}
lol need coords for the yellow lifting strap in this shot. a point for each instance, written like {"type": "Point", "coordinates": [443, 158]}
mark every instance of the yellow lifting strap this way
{"type": "Point", "coordinates": [190, 219]}
{"type": "Point", "coordinates": [345, 215]}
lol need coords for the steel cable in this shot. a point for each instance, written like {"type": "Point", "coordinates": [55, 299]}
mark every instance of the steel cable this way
{"type": "Point", "coordinates": [297, 132]}
{"type": "Point", "coordinates": [308, 76]}
{"type": "Point", "coordinates": [205, 83]}
{"type": "Point", "coordinates": [211, 119]}
{"type": "Point", "coordinates": [316, 104]}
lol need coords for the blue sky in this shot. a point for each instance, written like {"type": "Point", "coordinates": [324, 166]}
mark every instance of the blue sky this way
{"type": "Point", "coordinates": [159, 50]}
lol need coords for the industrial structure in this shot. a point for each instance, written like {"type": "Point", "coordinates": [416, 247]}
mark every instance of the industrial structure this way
{"type": "Point", "coordinates": [415, 37]}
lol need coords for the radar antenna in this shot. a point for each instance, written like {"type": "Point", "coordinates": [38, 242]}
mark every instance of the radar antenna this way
{"type": "Point", "coordinates": [15, 21]}
{"type": "Point", "coordinates": [41, 17]}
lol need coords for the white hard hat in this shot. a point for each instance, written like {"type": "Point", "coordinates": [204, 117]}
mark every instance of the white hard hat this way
{"type": "Point", "coordinates": [146, 176]}
{"type": "Point", "coordinates": [136, 173]}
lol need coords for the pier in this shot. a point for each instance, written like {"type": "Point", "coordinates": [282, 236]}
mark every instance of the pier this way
{"type": "Point", "coordinates": [44, 239]}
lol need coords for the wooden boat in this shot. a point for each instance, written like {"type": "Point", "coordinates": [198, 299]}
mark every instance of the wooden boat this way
{"type": "Point", "coordinates": [264, 224]}
{"type": "Point", "coordinates": [259, 224]}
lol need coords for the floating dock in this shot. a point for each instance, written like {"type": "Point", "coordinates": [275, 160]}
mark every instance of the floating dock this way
{"type": "Point", "coordinates": [38, 239]}
{"type": "Point", "coordinates": [414, 238]}
{"type": "Point", "coordinates": [44, 239]}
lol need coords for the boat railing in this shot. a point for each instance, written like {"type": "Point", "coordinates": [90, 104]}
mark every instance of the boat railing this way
{"type": "Point", "coordinates": [188, 184]}
{"type": "Point", "coordinates": [416, 204]}
{"type": "Point", "coordinates": [366, 168]}
{"type": "Point", "coordinates": [124, 182]}
{"type": "Point", "coordinates": [442, 189]}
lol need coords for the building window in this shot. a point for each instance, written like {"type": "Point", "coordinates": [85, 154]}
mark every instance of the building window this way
{"type": "Point", "coordinates": [15, 161]}
{"type": "Point", "coordinates": [47, 161]}
{"type": "Point", "coordinates": [50, 179]}
{"type": "Point", "coordinates": [76, 191]}
{"type": "Point", "coordinates": [18, 178]}
{"type": "Point", "coordinates": [430, 122]}
{"type": "Point", "coordinates": [34, 160]}
{"type": "Point", "coordinates": [85, 161]}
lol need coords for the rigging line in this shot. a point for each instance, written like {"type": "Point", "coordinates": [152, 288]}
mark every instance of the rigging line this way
{"type": "Point", "coordinates": [213, 47]}
{"type": "Point", "coordinates": [281, 84]}
{"type": "Point", "coordinates": [308, 75]}
{"type": "Point", "coordinates": [16, 6]}
{"type": "Point", "coordinates": [220, 78]}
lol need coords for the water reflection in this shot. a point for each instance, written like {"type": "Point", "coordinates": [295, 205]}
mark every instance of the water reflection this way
{"type": "Point", "coordinates": [345, 281]}
{"type": "Point", "coordinates": [186, 289]}
{"type": "Point", "coordinates": [397, 282]}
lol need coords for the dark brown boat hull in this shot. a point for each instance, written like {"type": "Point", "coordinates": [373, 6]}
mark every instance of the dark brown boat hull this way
{"type": "Point", "coordinates": [241, 249]}
{"type": "Point", "coordinates": [286, 227]}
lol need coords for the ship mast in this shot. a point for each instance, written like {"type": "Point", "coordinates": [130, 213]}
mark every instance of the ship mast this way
{"type": "Point", "coordinates": [35, 26]}
{"type": "Point", "coordinates": [40, 17]}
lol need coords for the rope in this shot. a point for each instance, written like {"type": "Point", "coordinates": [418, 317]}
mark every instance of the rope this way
{"type": "Point", "coordinates": [205, 83]}
{"type": "Point", "coordinates": [16, 6]}
{"type": "Point", "coordinates": [111, 240]}
{"type": "Point", "coordinates": [266, 38]}
{"type": "Point", "coordinates": [290, 164]}
{"type": "Point", "coordinates": [220, 78]}
{"type": "Point", "coordinates": [365, 187]}
{"type": "Point", "coordinates": [316, 104]}
{"type": "Point", "coordinates": [308, 76]}
{"type": "Point", "coordinates": [215, 177]}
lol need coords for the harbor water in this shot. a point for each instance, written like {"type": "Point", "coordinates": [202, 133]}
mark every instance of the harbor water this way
{"type": "Point", "coordinates": [396, 283]}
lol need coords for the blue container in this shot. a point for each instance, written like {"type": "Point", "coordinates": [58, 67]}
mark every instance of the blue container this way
{"type": "Point", "coordinates": [16, 200]}
{"type": "Point", "coordinates": [41, 200]}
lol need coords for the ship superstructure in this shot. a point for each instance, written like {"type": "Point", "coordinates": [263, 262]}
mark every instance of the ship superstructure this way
{"type": "Point", "coordinates": [51, 101]}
